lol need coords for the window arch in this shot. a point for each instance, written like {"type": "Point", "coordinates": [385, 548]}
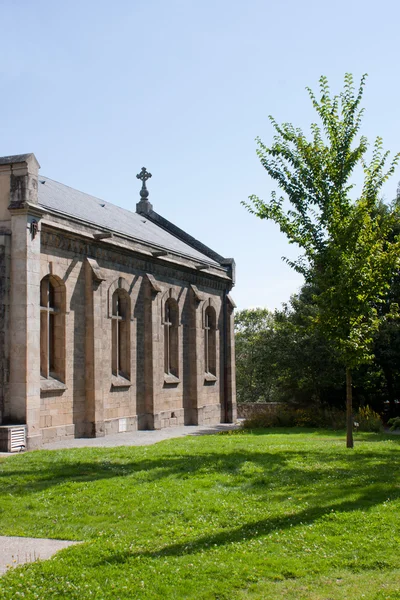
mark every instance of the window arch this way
{"type": "Point", "coordinates": [52, 328]}
{"type": "Point", "coordinates": [210, 341]}
{"type": "Point", "coordinates": [120, 333]}
{"type": "Point", "coordinates": [171, 339]}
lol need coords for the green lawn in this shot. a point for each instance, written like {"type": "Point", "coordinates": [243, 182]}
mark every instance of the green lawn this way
{"type": "Point", "coordinates": [272, 514]}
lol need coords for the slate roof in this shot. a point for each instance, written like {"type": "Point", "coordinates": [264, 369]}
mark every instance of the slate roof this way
{"type": "Point", "coordinates": [60, 198]}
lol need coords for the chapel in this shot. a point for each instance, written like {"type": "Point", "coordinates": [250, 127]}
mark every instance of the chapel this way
{"type": "Point", "coordinates": [110, 320]}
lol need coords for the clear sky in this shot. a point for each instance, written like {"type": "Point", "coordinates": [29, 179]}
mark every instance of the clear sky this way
{"type": "Point", "coordinates": [99, 89]}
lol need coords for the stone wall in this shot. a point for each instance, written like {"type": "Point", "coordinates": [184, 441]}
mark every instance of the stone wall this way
{"type": "Point", "coordinates": [93, 401]}
{"type": "Point", "coordinates": [253, 409]}
{"type": "Point", "coordinates": [4, 323]}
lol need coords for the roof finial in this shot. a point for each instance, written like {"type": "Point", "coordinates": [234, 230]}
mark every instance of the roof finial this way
{"type": "Point", "coordinates": [144, 205]}
{"type": "Point", "coordinates": [144, 175]}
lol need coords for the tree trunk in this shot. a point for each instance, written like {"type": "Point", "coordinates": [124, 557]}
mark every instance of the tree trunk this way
{"type": "Point", "coordinates": [349, 409]}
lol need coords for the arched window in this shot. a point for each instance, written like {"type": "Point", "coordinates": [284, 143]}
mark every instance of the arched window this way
{"type": "Point", "coordinates": [171, 346]}
{"type": "Point", "coordinates": [120, 319]}
{"type": "Point", "coordinates": [52, 328]}
{"type": "Point", "coordinates": [210, 341]}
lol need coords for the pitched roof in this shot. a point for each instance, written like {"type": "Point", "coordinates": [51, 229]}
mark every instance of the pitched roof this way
{"type": "Point", "coordinates": [64, 200]}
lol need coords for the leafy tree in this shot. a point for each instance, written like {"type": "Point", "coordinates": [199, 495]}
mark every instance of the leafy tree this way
{"type": "Point", "coordinates": [348, 255]}
{"type": "Point", "coordinates": [307, 365]}
{"type": "Point", "coordinates": [279, 357]}
{"type": "Point", "coordinates": [255, 371]}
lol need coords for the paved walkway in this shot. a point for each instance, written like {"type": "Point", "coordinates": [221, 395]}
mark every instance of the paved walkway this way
{"type": "Point", "coordinates": [139, 438]}
{"type": "Point", "coordinates": [16, 551]}
{"type": "Point", "coordinates": [136, 438]}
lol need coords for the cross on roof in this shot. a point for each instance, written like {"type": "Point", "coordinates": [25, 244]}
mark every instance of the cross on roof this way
{"type": "Point", "coordinates": [144, 175]}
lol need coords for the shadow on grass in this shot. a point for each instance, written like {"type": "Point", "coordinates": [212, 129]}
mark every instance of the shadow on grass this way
{"type": "Point", "coordinates": [318, 433]}
{"type": "Point", "coordinates": [256, 470]}
{"type": "Point", "coordinates": [291, 431]}
{"type": "Point", "coordinates": [332, 478]}
{"type": "Point", "coordinates": [255, 529]}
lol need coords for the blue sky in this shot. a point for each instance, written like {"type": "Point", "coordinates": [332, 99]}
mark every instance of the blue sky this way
{"type": "Point", "coordinates": [97, 90]}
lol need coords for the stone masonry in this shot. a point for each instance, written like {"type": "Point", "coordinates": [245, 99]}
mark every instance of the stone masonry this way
{"type": "Point", "coordinates": [110, 321]}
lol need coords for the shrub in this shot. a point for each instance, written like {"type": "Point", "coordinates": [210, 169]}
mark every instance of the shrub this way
{"type": "Point", "coordinates": [285, 418]}
{"type": "Point", "coordinates": [315, 416]}
{"type": "Point", "coordinates": [260, 421]}
{"type": "Point", "coordinates": [395, 423]}
{"type": "Point", "coordinates": [368, 420]}
{"type": "Point", "coordinates": [298, 417]}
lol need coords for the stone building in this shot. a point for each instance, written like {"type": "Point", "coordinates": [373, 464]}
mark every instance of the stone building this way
{"type": "Point", "coordinates": [110, 320]}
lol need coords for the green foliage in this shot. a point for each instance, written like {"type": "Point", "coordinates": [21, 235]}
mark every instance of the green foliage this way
{"type": "Point", "coordinates": [394, 422]}
{"type": "Point", "coordinates": [307, 363]}
{"type": "Point", "coordinates": [294, 362]}
{"type": "Point", "coordinates": [265, 420]}
{"type": "Point", "coordinates": [368, 420]}
{"type": "Point", "coordinates": [313, 416]}
{"type": "Point", "coordinates": [348, 256]}
{"type": "Point", "coordinates": [274, 514]}
{"type": "Point", "coordinates": [255, 371]}
{"type": "Point", "coordinates": [280, 357]}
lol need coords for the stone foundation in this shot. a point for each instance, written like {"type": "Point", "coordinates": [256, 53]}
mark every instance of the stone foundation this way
{"type": "Point", "coordinates": [209, 415]}
{"type": "Point", "coordinates": [54, 434]}
{"type": "Point", "coordinates": [121, 425]}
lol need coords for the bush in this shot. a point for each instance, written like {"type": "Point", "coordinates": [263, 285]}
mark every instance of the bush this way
{"type": "Point", "coordinates": [395, 423]}
{"type": "Point", "coordinates": [368, 420]}
{"type": "Point", "coordinates": [299, 417]}
{"type": "Point", "coordinates": [261, 421]}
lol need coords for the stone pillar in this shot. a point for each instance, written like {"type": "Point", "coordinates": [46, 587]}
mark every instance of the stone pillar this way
{"type": "Point", "coordinates": [94, 351]}
{"type": "Point", "coordinates": [152, 356]}
{"type": "Point", "coordinates": [229, 350]}
{"type": "Point", "coordinates": [24, 402]}
{"type": "Point", "coordinates": [193, 414]}
{"type": "Point", "coordinates": [5, 278]}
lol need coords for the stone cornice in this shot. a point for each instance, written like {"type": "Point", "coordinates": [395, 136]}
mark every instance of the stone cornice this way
{"type": "Point", "coordinates": [105, 251]}
{"type": "Point", "coordinates": [64, 222]}
{"type": "Point", "coordinates": [27, 209]}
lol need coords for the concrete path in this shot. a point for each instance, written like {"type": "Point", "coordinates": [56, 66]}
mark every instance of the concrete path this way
{"type": "Point", "coordinates": [16, 551]}
{"type": "Point", "coordinates": [135, 438]}
{"type": "Point", "coordinates": [139, 438]}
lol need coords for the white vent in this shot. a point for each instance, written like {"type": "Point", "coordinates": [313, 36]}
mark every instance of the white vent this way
{"type": "Point", "coordinates": [17, 439]}
{"type": "Point", "coordinates": [122, 425]}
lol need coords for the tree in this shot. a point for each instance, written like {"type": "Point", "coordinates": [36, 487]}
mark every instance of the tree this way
{"type": "Point", "coordinates": [279, 357]}
{"type": "Point", "coordinates": [255, 373]}
{"type": "Point", "coordinates": [348, 256]}
{"type": "Point", "coordinates": [307, 365]}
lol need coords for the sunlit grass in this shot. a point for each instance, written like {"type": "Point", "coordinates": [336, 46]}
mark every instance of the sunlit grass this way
{"type": "Point", "coordinates": [271, 514]}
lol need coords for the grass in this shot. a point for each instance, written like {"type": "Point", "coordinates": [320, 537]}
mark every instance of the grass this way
{"type": "Point", "coordinates": [263, 515]}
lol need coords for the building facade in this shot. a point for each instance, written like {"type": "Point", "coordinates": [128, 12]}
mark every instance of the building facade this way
{"type": "Point", "coordinates": [110, 320]}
